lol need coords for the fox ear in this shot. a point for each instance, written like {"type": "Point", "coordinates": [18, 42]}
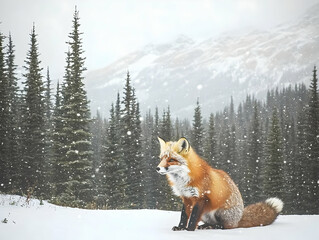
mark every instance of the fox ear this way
{"type": "Point", "coordinates": [183, 145]}
{"type": "Point", "coordinates": [162, 143]}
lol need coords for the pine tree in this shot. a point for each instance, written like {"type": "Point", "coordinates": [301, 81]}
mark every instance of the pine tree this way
{"type": "Point", "coordinates": [291, 172]}
{"type": "Point", "coordinates": [48, 128]}
{"type": "Point", "coordinates": [197, 131]}
{"type": "Point", "coordinates": [76, 165]}
{"type": "Point", "coordinates": [33, 118]}
{"type": "Point", "coordinates": [226, 150]}
{"type": "Point", "coordinates": [273, 172]}
{"type": "Point", "coordinates": [97, 129]}
{"type": "Point", "coordinates": [60, 148]}
{"type": "Point", "coordinates": [312, 137]}
{"type": "Point", "coordinates": [166, 131]}
{"type": "Point", "coordinates": [231, 111]}
{"type": "Point", "coordinates": [302, 195]}
{"type": "Point", "coordinates": [13, 125]}
{"type": "Point", "coordinates": [130, 145]}
{"type": "Point", "coordinates": [150, 162]}
{"type": "Point", "coordinates": [112, 167]}
{"type": "Point", "coordinates": [57, 143]}
{"type": "Point", "coordinates": [139, 183]}
{"type": "Point", "coordinates": [242, 147]}
{"type": "Point", "coordinates": [126, 141]}
{"type": "Point", "coordinates": [253, 166]}
{"type": "Point", "coordinates": [177, 130]}
{"type": "Point", "coordinates": [233, 164]}
{"type": "Point", "coordinates": [4, 119]}
{"type": "Point", "coordinates": [211, 143]}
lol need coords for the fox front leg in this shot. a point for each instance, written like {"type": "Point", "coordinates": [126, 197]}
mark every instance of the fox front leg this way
{"type": "Point", "coordinates": [195, 217]}
{"type": "Point", "coordinates": [183, 222]}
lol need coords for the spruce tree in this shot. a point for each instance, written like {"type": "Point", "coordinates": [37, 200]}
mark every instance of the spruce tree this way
{"type": "Point", "coordinates": [126, 141]}
{"type": "Point", "coordinates": [312, 137]}
{"type": "Point", "coordinates": [48, 128]}
{"type": "Point", "coordinates": [76, 165]}
{"type": "Point", "coordinates": [241, 144]}
{"type": "Point", "coordinates": [130, 145]}
{"type": "Point", "coordinates": [113, 169]}
{"type": "Point", "coordinates": [302, 195]}
{"type": "Point", "coordinates": [13, 125]}
{"type": "Point", "coordinates": [233, 164]}
{"type": "Point", "coordinates": [166, 131]}
{"type": "Point", "coordinates": [60, 147]}
{"type": "Point", "coordinates": [254, 157]}
{"type": "Point", "coordinates": [97, 128]}
{"type": "Point", "coordinates": [4, 119]}
{"type": "Point", "coordinates": [225, 150]}
{"type": "Point", "coordinates": [273, 172]}
{"type": "Point", "coordinates": [33, 120]}
{"type": "Point", "coordinates": [139, 183]}
{"type": "Point", "coordinates": [177, 131]}
{"type": "Point", "coordinates": [211, 143]}
{"type": "Point", "coordinates": [149, 162]}
{"type": "Point", "coordinates": [290, 169]}
{"type": "Point", "coordinates": [57, 143]}
{"type": "Point", "coordinates": [197, 131]}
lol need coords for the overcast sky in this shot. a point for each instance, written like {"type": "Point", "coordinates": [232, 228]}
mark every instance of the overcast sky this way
{"type": "Point", "coordinates": [113, 28]}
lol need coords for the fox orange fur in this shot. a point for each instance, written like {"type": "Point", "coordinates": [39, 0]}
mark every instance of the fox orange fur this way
{"type": "Point", "coordinates": [209, 195]}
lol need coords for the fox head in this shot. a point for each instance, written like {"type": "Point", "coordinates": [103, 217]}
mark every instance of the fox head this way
{"type": "Point", "coordinates": [173, 156]}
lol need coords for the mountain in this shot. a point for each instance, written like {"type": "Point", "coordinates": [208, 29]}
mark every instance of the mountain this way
{"type": "Point", "coordinates": [179, 72]}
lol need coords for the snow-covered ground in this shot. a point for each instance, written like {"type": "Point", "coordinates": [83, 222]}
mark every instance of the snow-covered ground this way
{"type": "Point", "coordinates": [34, 221]}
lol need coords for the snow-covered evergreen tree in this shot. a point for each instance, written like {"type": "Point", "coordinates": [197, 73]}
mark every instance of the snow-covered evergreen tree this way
{"type": "Point", "coordinates": [211, 143]}
{"type": "Point", "coordinates": [312, 151]}
{"type": "Point", "coordinates": [13, 125]}
{"type": "Point", "coordinates": [98, 130]}
{"type": "Point", "coordinates": [48, 128]}
{"type": "Point", "coordinates": [4, 118]}
{"type": "Point", "coordinates": [130, 145]}
{"type": "Point", "coordinates": [253, 159]}
{"type": "Point", "coordinates": [198, 131]}
{"type": "Point", "coordinates": [76, 164]}
{"type": "Point", "coordinates": [113, 168]}
{"type": "Point", "coordinates": [57, 143]}
{"type": "Point", "coordinates": [165, 129]}
{"type": "Point", "coordinates": [149, 162]}
{"type": "Point", "coordinates": [33, 119]}
{"type": "Point", "coordinates": [274, 172]}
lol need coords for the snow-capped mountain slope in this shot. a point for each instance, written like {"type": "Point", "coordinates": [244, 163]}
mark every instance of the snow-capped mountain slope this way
{"type": "Point", "coordinates": [179, 72]}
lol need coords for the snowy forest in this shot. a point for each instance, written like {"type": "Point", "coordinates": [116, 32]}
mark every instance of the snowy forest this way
{"type": "Point", "coordinates": [51, 147]}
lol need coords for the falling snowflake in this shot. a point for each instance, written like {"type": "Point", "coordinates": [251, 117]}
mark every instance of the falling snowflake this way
{"type": "Point", "coordinates": [129, 133]}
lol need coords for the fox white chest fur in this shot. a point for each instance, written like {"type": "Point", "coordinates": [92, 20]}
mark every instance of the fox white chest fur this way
{"type": "Point", "coordinates": [180, 181]}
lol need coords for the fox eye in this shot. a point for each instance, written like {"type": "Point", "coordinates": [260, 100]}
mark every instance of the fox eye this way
{"type": "Point", "coordinates": [171, 160]}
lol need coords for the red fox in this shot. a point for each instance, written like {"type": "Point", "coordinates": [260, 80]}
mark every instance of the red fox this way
{"type": "Point", "coordinates": [209, 195]}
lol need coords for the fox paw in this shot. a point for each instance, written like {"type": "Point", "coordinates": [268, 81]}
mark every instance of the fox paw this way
{"type": "Point", "coordinates": [175, 228]}
{"type": "Point", "coordinates": [205, 226]}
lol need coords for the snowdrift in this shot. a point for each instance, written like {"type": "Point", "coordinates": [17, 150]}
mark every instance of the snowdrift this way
{"type": "Point", "coordinates": [22, 220]}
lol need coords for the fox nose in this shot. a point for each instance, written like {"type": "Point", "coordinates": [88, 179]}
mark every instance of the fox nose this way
{"type": "Point", "coordinates": [157, 169]}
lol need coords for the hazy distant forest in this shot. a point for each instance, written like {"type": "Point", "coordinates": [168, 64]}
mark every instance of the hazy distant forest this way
{"type": "Point", "coordinates": [51, 148]}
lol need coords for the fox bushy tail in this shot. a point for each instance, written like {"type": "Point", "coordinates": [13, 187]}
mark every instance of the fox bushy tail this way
{"type": "Point", "coordinates": [261, 213]}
